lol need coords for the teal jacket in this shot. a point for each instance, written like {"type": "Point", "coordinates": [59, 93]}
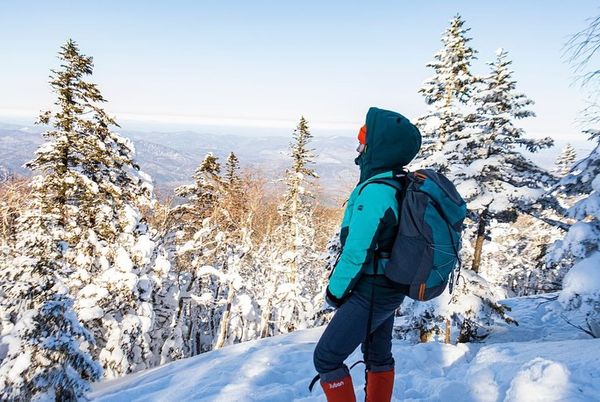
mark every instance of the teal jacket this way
{"type": "Point", "coordinates": [371, 217]}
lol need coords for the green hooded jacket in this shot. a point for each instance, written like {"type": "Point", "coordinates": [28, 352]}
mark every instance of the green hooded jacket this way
{"type": "Point", "coordinates": [371, 218]}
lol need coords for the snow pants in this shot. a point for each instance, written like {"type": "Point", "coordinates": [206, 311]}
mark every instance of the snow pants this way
{"type": "Point", "coordinates": [348, 329]}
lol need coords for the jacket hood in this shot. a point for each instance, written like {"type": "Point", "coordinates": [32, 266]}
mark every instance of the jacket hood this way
{"type": "Point", "coordinates": [392, 142]}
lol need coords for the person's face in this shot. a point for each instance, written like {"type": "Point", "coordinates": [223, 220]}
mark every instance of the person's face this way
{"type": "Point", "coordinates": [361, 148]}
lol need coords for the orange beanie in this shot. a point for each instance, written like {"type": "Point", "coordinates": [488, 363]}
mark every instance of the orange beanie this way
{"type": "Point", "coordinates": [362, 135]}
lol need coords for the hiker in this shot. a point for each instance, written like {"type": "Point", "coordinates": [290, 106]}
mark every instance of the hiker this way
{"type": "Point", "coordinates": [387, 143]}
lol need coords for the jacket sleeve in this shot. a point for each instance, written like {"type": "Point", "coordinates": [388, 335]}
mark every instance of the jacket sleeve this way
{"type": "Point", "coordinates": [370, 212]}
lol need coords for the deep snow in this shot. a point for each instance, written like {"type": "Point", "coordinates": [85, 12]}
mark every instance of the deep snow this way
{"type": "Point", "coordinates": [543, 359]}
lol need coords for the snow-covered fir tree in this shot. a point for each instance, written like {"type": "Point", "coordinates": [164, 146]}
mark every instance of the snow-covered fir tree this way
{"type": "Point", "coordinates": [234, 209]}
{"type": "Point", "coordinates": [580, 248]}
{"type": "Point", "coordinates": [96, 189]}
{"type": "Point", "coordinates": [333, 250]}
{"type": "Point", "coordinates": [513, 257]}
{"type": "Point", "coordinates": [206, 188]}
{"type": "Point", "coordinates": [213, 263]}
{"type": "Point", "coordinates": [482, 160]}
{"type": "Point", "coordinates": [468, 314]}
{"type": "Point", "coordinates": [492, 174]}
{"type": "Point", "coordinates": [192, 328]}
{"type": "Point", "coordinates": [232, 167]}
{"type": "Point", "coordinates": [44, 357]}
{"type": "Point", "coordinates": [290, 257]}
{"type": "Point", "coordinates": [448, 90]}
{"type": "Point", "coordinates": [565, 160]}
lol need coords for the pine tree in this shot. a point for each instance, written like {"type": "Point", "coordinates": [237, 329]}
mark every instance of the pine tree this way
{"type": "Point", "coordinates": [196, 245]}
{"type": "Point", "coordinates": [205, 190]}
{"type": "Point", "coordinates": [513, 258]}
{"type": "Point", "coordinates": [493, 175]}
{"type": "Point", "coordinates": [565, 161]}
{"type": "Point", "coordinates": [449, 90]}
{"type": "Point", "coordinates": [234, 199]}
{"type": "Point", "coordinates": [580, 248]}
{"type": "Point", "coordinates": [481, 159]}
{"type": "Point", "coordinates": [213, 249]}
{"type": "Point", "coordinates": [39, 326]}
{"type": "Point", "coordinates": [290, 256]}
{"type": "Point", "coordinates": [232, 168]}
{"type": "Point", "coordinates": [94, 190]}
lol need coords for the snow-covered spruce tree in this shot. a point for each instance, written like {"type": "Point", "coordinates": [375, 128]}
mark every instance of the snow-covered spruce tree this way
{"type": "Point", "coordinates": [97, 189]}
{"type": "Point", "coordinates": [493, 175]}
{"type": "Point", "coordinates": [580, 248]}
{"type": "Point", "coordinates": [448, 90]}
{"type": "Point", "coordinates": [192, 328]}
{"type": "Point", "coordinates": [212, 247]}
{"type": "Point", "coordinates": [203, 193]}
{"type": "Point", "coordinates": [291, 259]}
{"type": "Point", "coordinates": [232, 168]}
{"type": "Point", "coordinates": [565, 160]}
{"type": "Point", "coordinates": [40, 339]}
{"type": "Point", "coordinates": [513, 257]}
{"type": "Point", "coordinates": [233, 211]}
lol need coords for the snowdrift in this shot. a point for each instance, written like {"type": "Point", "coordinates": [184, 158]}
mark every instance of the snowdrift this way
{"type": "Point", "coordinates": [543, 359]}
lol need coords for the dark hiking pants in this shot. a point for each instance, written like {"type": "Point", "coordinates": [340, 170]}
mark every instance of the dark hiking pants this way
{"type": "Point", "coordinates": [348, 329]}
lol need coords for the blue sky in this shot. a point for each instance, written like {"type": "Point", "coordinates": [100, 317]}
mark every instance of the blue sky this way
{"type": "Point", "coordinates": [263, 64]}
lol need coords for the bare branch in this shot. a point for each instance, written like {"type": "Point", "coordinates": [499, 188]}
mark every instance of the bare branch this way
{"type": "Point", "coordinates": [587, 331]}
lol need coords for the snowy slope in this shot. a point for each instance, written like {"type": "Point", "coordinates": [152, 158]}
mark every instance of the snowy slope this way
{"type": "Point", "coordinates": [543, 359]}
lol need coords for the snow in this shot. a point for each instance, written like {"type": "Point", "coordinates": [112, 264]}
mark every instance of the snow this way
{"type": "Point", "coordinates": [543, 359]}
{"type": "Point", "coordinates": [540, 380]}
{"type": "Point", "coordinates": [583, 278]}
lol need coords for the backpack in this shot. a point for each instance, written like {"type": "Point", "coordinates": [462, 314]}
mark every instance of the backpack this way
{"type": "Point", "coordinates": [425, 251]}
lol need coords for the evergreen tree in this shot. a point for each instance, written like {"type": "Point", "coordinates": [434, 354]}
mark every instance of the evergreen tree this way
{"type": "Point", "coordinates": [580, 248]}
{"type": "Point", "coordinates": [513, 258]}
{"type": "Point", "coordinates": [213, 263]}
{"type": "Point", "coordinates": [565, 161]}
{"type": "Point", "coordinates": [493, 175]}
{"type": "Point", "coordinates": [205, 190]}
{"type": "Point", "coordinates": [93, 189]}
{"type": "Point", "coordinates": [234, 211]}
{"type": "Point", "coordinates": [38, 324]}
{"type": "Point", "coordinates": [232, 168]}
{"type": "Point", "coordinates": [481, 159]}
{"type": "Point", "coordinates": [448, 91]}
{"type": "Point", "coordinates": [291, 256]}
{"type": "Point", "coordinates": [195, 245]}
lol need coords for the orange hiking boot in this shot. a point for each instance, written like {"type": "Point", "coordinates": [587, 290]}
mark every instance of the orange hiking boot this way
{"type": "Point", "coordinates": [380, 385]}
{"type": "Point", "coordinates": [341, 390]}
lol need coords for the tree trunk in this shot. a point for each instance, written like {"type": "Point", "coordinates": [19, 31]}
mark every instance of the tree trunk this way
{"type": "Point", "coordinates": [448, 331]}
{"type": "Point", "coordinates": [265, 317]}
{"type": "Point", "coordinates": [225, 319]}
{"type": "Point", "coordinates": [479, 241]}
{"type": "Point", "coordinates": [425, 335]}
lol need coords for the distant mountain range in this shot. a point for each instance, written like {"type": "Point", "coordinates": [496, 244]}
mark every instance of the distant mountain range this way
{"type": "Point", "coordinates": [171, 157]}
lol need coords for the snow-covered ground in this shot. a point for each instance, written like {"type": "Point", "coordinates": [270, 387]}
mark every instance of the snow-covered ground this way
{"type": "Point", "coordinates": [542, 359]}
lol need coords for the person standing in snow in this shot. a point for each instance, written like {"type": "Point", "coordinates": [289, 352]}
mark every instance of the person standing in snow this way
{"type": "Point", "coordinates": [388, 142]}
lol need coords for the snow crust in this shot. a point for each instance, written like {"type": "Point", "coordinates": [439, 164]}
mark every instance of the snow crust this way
{"type": "Point", "coordinates": [542, 359]}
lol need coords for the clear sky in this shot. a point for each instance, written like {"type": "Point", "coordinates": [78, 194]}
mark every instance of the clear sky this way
{"type": "Point", "coordinates": [265, 63]}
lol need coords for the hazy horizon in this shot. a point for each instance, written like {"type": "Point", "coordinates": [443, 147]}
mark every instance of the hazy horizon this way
{"type": "Point", "coordinates": [260, 66]}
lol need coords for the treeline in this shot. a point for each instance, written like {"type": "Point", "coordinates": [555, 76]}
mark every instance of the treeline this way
{"type": "Point", "coordinates": [100, 279]}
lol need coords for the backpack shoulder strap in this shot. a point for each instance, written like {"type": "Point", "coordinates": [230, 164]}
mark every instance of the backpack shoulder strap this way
{"type": "Point", "coordinates": [399, 182]}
